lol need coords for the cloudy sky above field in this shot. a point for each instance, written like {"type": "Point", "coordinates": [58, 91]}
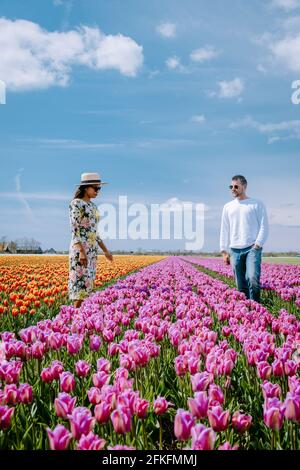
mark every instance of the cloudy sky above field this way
{"type": "Point", "coordinates": [166, 99]}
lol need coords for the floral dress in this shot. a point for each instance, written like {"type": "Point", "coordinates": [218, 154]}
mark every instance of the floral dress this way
{"type": "Point", "coordinates": [84, 217]}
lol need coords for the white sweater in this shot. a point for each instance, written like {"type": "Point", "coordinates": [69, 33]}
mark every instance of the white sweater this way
{"type": "Point", "coordinates": [243, 223]}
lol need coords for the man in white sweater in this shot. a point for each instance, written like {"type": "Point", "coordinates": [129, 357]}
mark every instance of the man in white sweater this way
{"type": "Point", "coordinates": [244, 230]}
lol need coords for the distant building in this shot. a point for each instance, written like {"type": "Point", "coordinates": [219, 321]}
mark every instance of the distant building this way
{"type": "Point", "coordinates": [50, 251]}
{"type": "Point", "coordinates": [8, 247]}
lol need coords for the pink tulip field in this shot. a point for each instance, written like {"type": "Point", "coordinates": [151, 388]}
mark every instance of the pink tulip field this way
{"type": "Point", "coordinates": [168, 358]}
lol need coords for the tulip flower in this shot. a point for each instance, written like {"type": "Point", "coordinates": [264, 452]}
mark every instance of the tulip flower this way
{"type": "Point", "coordinates": [82, 368]}
{"type": "Point", "coordinates": [218, 418]}
{"type": "Point", "coordinates": [103, 365]}
{"type": "Point", "coordinates": [141, 407]}
{"type": "Point", "coordinates": [215, 394]}
{"type": "Point", "coordinates": [121, 420]}
{"type": "Point", "coordinates": [5, 416]}
{"type": "Point", "coordinates": [59, 437]}
{"type": "Point", "coordinates": [183, 424]}
{"type": "Point", "coordinates": [199, 405]}
{"type": "Point", "coordinates": [100, 378]}
{"type": "Point", "coordinates": [25, 393]}
{"type": "Point", "coordinates": [241, 422]}
{"type": "Point", "coordinates": [90, 442]}
{"type": "Point", "coordinates": [203, 438]}
{"type": "Point", "coordinates": [270, 390]}
{"type": "Point", "coordinates": [95, 343]}
{"type": "Point", "coordinates": [64, 405]}
{"type": "Point", "coordinates": [264, 370]}
{"type": "Point", "coordinates": [201, 381]}
{"type": "Point", "coordinates": [94, 395]}
{"type": "Point", "coordinates": [67, 382]}
{"type": "Point", "coordinates": [102, 412]}
{"type": "Point", "coordinates": [292, 407]}
{"type": "Point", "coordinates": [81, 421]}
{"type": "Point", "coordinates": [273, 413]}
{"type": "Point", "coordinates": [161, 405]}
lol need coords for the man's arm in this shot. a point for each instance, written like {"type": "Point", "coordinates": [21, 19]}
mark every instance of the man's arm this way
{"type": "Point", "coordinates": [263, 225]}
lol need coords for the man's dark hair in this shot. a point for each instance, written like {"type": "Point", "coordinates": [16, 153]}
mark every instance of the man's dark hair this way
{"type": "Point", "coordinates": [241, 178]}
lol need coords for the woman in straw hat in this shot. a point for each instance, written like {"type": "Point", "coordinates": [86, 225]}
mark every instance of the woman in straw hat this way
{"type": "Point", "coordinates": [84, 217]}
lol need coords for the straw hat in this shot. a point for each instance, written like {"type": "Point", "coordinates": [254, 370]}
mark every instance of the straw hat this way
{"type": "Point", "coordinates": [88, 179]}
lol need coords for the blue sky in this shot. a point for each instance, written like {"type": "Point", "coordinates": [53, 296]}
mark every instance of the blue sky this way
{"type": "Point", "coordinates": [166, 99]}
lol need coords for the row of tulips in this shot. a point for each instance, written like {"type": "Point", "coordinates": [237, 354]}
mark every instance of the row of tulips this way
{"type": "Point", "coordinates": [33, 287]}
{"type": "Point", "coordinates": [283, 279]}
{"type": "Point", "coordinates": [168, 357]}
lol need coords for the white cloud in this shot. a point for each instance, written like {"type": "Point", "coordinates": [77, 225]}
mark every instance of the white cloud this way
{"type": "Point", "coordinates": [204, 53]}
{"type": "Point", "coordinates": [167, 30]}
{"type": "Point", "coordinates": [287, 52]}
{"type": "Point", "coordinates": [33, 58]}
{"type": "Point", "coordinates": [74, 144]}
{"type": "Point", "coordinates": [287, 130]}
{"type": "Point", "coordinates": [230, 89]}
{"type": "Point", "coordinates": [173, 63]}
{"type": "Point", "coordinates": [200, 118]}
{"type": "Point", "coordinates": [286, 4]}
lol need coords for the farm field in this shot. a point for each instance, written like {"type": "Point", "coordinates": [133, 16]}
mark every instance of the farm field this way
{"type": "Point", "coordinates": [167, 357]}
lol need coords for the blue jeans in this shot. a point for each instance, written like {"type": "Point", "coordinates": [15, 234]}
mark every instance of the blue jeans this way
{"type": "Point", "coordinates": [246, 265]}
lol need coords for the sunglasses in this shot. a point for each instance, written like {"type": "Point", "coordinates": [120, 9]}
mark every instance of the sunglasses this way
{"type": "Point", "coordinates": [96, 188]}
{"type": "Point", "coordinates": [234, 186]}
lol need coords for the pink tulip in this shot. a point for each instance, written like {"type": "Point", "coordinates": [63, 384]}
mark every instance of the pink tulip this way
{"type": "Point", "coordinates": [82, 368]}
{"type": "Point", "coordinates": [46, 375]}
{"type": "Point", "coordinates": [203, 438]}
{"type": "Point", "coordinates": [102, 412]}
{"type": "Point", "coordinates": [74, 345]}
{"type": "Point", "coordinates": [90, 442]}
{"type": "Point", "coordinates": [201, 381]}
{"type": "Point", "coordinates": [290, 368]}
{"type": "Point", "coordinates": [95, 343]}
{"type": "Point", "coordinates": [5, 416]}
{"type": "Point", "coordinates": [183, 424]}
{"type": "Point", "coordinates": [25, 393]}
{"type": "Point", "coordinates": [273, 413]}
{"type": "Point", "coordinates": [270, 390]}
{"type": "Point", "coordinates": [294, 385]}
{"type": "Point", "coordinates": [64, 405]}
{"type": "Point", "coordinates": [215, 394]}
{"type": "Point", "coordinates": [38, 350]}
{"type": "Point", "coordinates": [94, 395]}
{"type": "Point", "coordinates": [218, 418]}
{"type": "Point", "coordinates": [67, 382]}
{"type": "Point", "coordinates": [292, 407]}
{"type": "Point", "coordinates": [56, 369]}
{"type": "Point", "coordinates": [100, 378]}
{"type": "Point", "coordinates": [103, 365]}
{"type": "Point", "coordinates": [81, 421]}
{"type": "Point", "coordinates": [241, 422]}
{"type": "Point", "coordinates": [141, 407]}
{"type": "Point", "coordinates": [161, 405]}
{"type": "Point", "coordinates": [11, 394]}
{"type": "Point", "coordinates": [59, 437]}
{"type": "Point", "coordinates": [264, 370]}
{"type": "Point", "coordinates": [199, 405]}
{"type": "Point", "coordinates": [278, 368]}
{"type": "Point", "coordinates": [121, 420]}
